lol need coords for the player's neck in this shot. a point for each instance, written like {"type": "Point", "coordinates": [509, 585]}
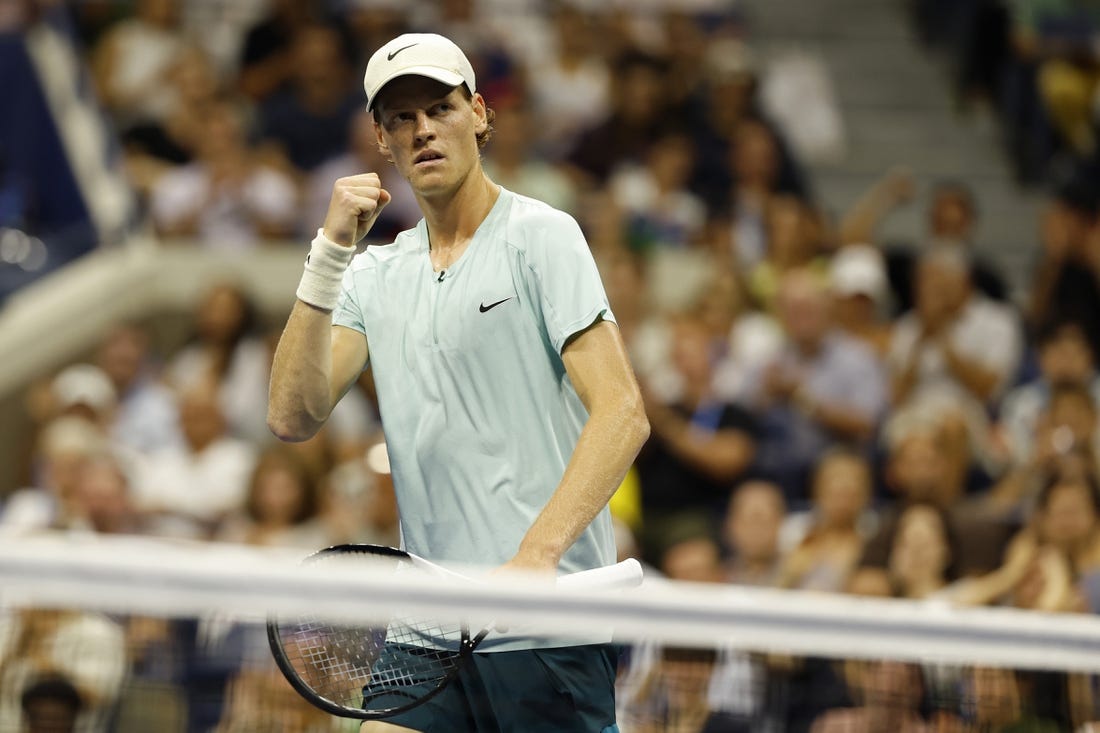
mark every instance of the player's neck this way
{"type": "Point", "coordinates": [452, 219]}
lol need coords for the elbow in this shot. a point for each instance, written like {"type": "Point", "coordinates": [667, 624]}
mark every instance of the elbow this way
{"type": "Point", "coordinates": [289, 431]}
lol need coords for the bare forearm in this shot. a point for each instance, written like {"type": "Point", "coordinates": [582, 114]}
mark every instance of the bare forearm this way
{"type": "Point", "coordinates": [315, 363]}
{"type": "Point", "coordinates": [722, 455]}
{"type": "Point", "coordinates": [607, 447]}
{"type": "Point", "coordinates": [301, 397]}
{"type": "Point", "coordinates": [975, 377]}
{"type": "Point", "coordinates": [842, 421]}
{"type": "Point", "coordinates": [861, 221]}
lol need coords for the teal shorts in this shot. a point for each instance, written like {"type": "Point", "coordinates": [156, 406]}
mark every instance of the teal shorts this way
{"type": "Point", "coordinates": [557, 690]}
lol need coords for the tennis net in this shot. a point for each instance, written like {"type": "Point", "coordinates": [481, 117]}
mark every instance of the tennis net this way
{"type": "Point", "coordinates": [138, 635]}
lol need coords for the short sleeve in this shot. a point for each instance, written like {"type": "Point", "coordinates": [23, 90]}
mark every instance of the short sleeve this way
{"type": "Point", "coordinates": [570, 292]}
{"type": "Point", "coordinates": [347, 312]}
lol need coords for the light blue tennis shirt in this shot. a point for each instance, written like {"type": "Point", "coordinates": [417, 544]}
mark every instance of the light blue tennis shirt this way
{"type": "Point", "coordinates": [479, 414]}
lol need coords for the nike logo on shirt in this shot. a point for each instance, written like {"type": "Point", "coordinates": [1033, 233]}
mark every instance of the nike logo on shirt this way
{"type": "Point", "coordinates": [489, 307]}
{"type": "Point", "coordinates": [389, 56]}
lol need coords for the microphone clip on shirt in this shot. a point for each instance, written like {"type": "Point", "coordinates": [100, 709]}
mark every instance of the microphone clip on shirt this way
{"type": "Point", "coordinates": [441, 274]}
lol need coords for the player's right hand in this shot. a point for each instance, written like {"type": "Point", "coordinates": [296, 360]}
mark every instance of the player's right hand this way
{"type": "Point", "coordinates": [356, 202]}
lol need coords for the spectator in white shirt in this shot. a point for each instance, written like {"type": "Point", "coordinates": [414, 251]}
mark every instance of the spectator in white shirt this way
{"type": "Point", "coordinates": [189, 490]}
{"type": "Point", "coordinates": [227, 197]}
{"type": "Point", "coordinates": [146, 417]}
{"type": "Point", "coordinates": [954, 341]}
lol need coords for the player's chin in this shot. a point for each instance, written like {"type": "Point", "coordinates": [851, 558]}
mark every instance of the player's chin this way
{"type": "Point", "coordinates": [430, 182]}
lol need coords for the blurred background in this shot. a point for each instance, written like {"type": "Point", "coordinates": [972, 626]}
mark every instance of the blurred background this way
{"type": "Point", "coordinates": [853, 247]}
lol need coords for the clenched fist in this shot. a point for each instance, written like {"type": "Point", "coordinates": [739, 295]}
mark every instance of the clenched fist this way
{"type": "Point", "coordinates": [356, 203]}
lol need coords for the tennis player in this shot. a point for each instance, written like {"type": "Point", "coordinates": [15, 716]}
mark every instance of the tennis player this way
{"type": "Point", "coordinates": [510, 409]}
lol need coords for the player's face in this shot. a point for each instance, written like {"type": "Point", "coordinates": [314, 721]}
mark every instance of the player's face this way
{"type": "Point", "coordinates": [430, 131]}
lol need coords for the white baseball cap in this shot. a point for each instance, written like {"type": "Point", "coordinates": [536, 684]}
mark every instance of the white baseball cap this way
{"type": "Point", "coordinates": [84, 384]}
{"type": "Point", "coordinates": [417, 54]}
{"type": "Point", "coordinates": [858, 269]}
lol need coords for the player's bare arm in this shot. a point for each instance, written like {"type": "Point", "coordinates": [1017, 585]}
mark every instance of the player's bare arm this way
{"type": "Point", "coordinates": [315, 362]}
{"type": "Point", "coordinates": [597, 364]}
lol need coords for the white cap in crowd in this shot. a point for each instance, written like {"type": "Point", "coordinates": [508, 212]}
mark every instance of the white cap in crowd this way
{"type": "Point", "coordinates": [859, 269]}
{"type": "Point", "coordinates": [418, 54]}
{"type": "Point", "coordinates": [84, 384]}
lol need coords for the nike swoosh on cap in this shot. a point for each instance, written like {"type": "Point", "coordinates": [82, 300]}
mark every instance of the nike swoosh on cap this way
{"type": "Point", "coordinates": [389, 56]}
{"type": "Point", "coordinates": [489, 307]}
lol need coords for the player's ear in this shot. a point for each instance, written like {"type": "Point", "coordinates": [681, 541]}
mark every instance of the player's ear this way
{"type": "Point", "coordinates": [383, 148]}
{"type": "Point", "coordinates": [478, 104]}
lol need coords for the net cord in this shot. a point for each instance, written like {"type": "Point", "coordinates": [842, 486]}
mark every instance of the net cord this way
{"type": "Point", "coordinates": [138, 576]}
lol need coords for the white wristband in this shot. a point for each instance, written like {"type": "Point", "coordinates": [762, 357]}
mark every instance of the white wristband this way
{"type": "Point", "coordinates": [324, 272]}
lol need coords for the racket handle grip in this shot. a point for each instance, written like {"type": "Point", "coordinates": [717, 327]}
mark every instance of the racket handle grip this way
{"type": "Point", "coordinates": [626, 574]}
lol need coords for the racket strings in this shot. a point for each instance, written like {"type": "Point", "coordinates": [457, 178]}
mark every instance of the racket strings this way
{"type": "Point", "coordinates": [361, 666]}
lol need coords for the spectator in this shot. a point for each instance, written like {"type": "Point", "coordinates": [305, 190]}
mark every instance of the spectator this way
{"type": "Point", "coordinates": [102, 502]}
{"type": "Point", "coordinates": [1003, 700]}
{"type": "Point", "coordinates": [358, 502]}
{"type": "Point", "coordinates": [187, 491]}
{"type": "Point", "coordinates": [1059, 34]}
{"type": "Point", "coordinates": [824, 387]}
{"type": "Point", "coordinates": [1065, 432]}
{"type": "Point", "coordinates": [86, 649]}
{"type": "Point", "coordinates": [744, 339]}
{"type": "Point", "coordinates": [226, 354]}
{"type": "Point", "coordinates": [751, 533]}
{"type": "Point", "coordinates": [281, 507]}
{"type": "Point", "coordinates": [84, 391]}
{"type": "Point", "coordinates": [698, 445]}
{"type": "Point", "coordinates": [256, 699]}
{"type": "Point", "coordinates": [754, 158]}
{"type": "Point", "coordinates": [146, 417]}
{"type": "Point", "coordinates": [923, 553]}
{"type": "Point", "coordinates": [267, 59]}
{"type": "Point", "coordinates": [833, 540]}
{"type": "Point", "coordinates": [955, 343]}
{"type": "Point", "coordinates": [569, 90]}
{"type": "Point", "coordinates": [660, 210]}
{"type": "Point", "coordinates": [857, 280]}
{"type": "Point", "coordinates": [637, 113]}
{"type": "Point", "coordinates": [952, 221]}
{"type": "Point", "coordinates": [132, 61]}
{"type": "Point", "coordinates": [675, 688]}
{"type": "Point", "coordinates": [63, 447]}
{"type": "Point", "coordinates": [1067, 276]}
{"type": "Point", "coordinates": [691, 553]}
{"type": "Point", "coordinates": [509, 161]}
{"type": "Point", "coordinates": [308, 121]}
{"type": "Point", "coordinates": [227, 198]}
{"type": "Point", "coordinates": [926, 462]}
{"type": "Point", "coordinates": [890, 695]}
{"type": "Point", "coordinates": [152, 148]}
{"type": "Point", "coordinates": [51, 705]}
{"type": "Point", "coordinates": [220, 27]}
{"type": "Point", "coordinates": [727, 97]}
{"type": "Point", "coordinates": [1065, 359]}
{"type": "Point", "coordinates": [792, 244]}
{"type": "Point", "coordinates": [1045, 562]}
{"type": "Point", "coordinates": [370, 24]}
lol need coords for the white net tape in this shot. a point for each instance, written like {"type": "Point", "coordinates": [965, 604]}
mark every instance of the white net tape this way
{"type": "Point", "coordinates": [138, 576]}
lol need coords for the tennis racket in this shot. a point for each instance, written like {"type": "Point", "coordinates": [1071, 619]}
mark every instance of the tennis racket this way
{"type": "Point", "coordinates": [379, 670]}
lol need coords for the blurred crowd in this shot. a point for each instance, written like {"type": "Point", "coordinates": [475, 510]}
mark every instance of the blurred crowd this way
{"type": "Point", "coordinates": [829, 411]}
{"type": "Point", "coordinates": [1030, 65]}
